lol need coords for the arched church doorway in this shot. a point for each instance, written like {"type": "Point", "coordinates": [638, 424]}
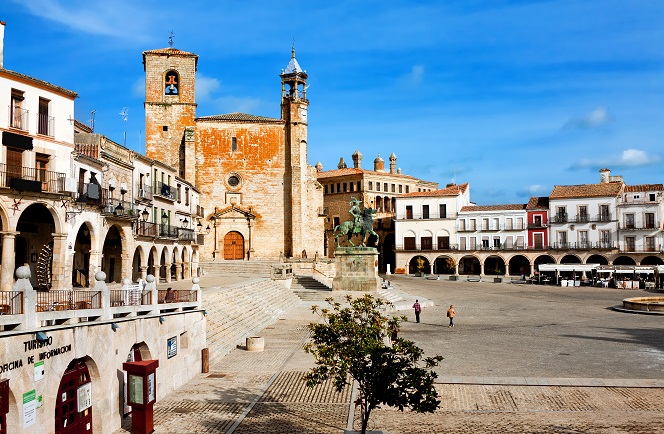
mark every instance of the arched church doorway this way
{"type": "Point", "coordinates": [73, 406]}
{"type": "Point", "coordinates": [233, 246]}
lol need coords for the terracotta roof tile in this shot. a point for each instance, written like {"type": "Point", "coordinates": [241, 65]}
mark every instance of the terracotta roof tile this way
{"type": "Point", "coordinates": [170, 52]}
{"type": "Point", "coordinates": [507, 207]}
{"type": "Point", "coordinates": [643, 188]}
{"type": "Point", "coordinates": [452, 190]}
{"type": "Point", "coordinates": [39, 82]}
{"type": "Point", "coordinates": [237, 117]}
{"type": "Point", "coordinates": [608, 189]}
{"type": "Point", "coordinates": [541, 202]}
{"type": "Point", "coordinates": [354, 171]}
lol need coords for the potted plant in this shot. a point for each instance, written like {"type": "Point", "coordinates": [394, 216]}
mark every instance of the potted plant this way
{"type": "Point", "coordinates": [419, 267]}
{"type": "Point", "coordinates": [497, 272]}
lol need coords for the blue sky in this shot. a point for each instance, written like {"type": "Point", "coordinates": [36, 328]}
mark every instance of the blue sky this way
{"type": "Point", "coordinates": [513, 96]}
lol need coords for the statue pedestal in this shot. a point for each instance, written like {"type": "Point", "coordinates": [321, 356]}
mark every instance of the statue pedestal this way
{"type": "Point", "coordinates": [356, 268]}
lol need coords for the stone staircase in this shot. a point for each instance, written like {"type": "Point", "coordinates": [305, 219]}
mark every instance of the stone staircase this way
{"type": "Point", "coordinates": [254, 268]}
{"type": "Point", "coordinates": [309, 289]}
{"type": "Point", "coordinates": [237, 312]}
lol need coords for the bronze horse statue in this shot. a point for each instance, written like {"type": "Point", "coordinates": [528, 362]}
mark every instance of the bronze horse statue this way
{"type": "Point", "coordinates": [350, 228]}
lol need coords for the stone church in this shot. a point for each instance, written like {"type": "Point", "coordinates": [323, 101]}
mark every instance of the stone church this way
{"type": "Point", "coordinates": [260, 196]}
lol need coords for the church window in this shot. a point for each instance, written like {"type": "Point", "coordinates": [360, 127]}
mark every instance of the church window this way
{"type": "Point", "coordinates": [393, 188]}
{"type": "Point", "coordinates": [338, 187]}
{"type": "Point", "coordinates": [325, 188]}
{"type": "Point", "coordinates": [370, 185]}
{"type": "Point", "coordinates": [352, 186]}
{"type": "Point", "coordinates": [172, 83]}
{"type": "Point", "coordinates": [234, 144]}
{"type": "Point", "coordinates": [378, 186]}
{"type": "Point", "coordinates": [164, 128]}
{"type": "Point", "coordinates": [385, 186]}
{"type": "Point", "coordinates": [359, 186]}
{"type": "Point", "coordinates": [400, 188]}
{"type": "Point", "coordinates": [407, 188]}
{"type": "Point", "coordinates": [345, 187]}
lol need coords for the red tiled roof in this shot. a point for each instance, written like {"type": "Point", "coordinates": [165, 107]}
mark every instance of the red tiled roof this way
{"type": "Point", "coordinates": [353, 171]}
{"type": "Point", "coordinates": [507, 207]}
{"type": "Point", "coordinates": [643, 187]}
{"type": "Point", "coordinates": [170, 51]}
{"type": "Point", "coordinates": [39, 82]}
{"type": "Point", "coordinates": [541, 202]}
{"type": "Point", "coordinates": [607, 189]}
{"type": "Point", "coordinates": [81, 126]}
{"type": "Point", "coordinates": [237, 117]}
{"type": "Point", "coordinates": [452, 190]}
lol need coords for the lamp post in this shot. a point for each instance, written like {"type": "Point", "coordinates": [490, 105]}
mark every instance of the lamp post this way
{"type": "Point", "coordinates": [145, 214]}
{"type": "Point", "coordinates": [185, 223]}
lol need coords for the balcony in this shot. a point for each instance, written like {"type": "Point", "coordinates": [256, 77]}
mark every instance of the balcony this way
{"type": "Point", "coordinates": [120, 209]}
{"type": "Point", "coordinates": [430, 216]}
{"type": "Point", "coordinates": [467, 229]}
{"type": "Point", "coordinates": [537, 226]}
{"type": "Point", "coordinates": [144, 192]}
{"type": "Point", "coordinates": [45, 125]}
{"type": "Point", "coordinates": [165, 191]}
{"type": "Point", "coordinates": [31, 179]}
{"type": "Point", "coordinates": [18, 118]}
{"type": "Point", "coordinates": [600, 245]}
{"type": "Point", "coordinates": [558, 219]}
{"type": "Point", "coordinates": [513, 247]}
{"type": "Point", "coordinates": [145, 229]}
{"type": "Point", "coordinates": [640, 226]}
{"type": "Point", "coordinates": [640, 249]}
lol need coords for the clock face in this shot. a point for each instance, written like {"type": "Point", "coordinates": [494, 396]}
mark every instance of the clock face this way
{"type": "Point", "coordinates": [303, 113]}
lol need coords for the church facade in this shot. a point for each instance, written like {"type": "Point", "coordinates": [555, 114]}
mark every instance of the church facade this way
{"type": "Point", "coordinates": [261, 197]}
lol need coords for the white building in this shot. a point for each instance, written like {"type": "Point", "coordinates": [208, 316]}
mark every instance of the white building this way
{"type": "Point", "coordinates": [425, 224]}
{"type": "Point", "coordinates": [492, 227]}
{"type": "Point", "coordinates": [640, 211]}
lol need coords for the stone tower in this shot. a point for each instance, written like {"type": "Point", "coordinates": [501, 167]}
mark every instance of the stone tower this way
{"type": "Point", "coordinates": [170, 108]}
{"type": "Point", "coordinates": [294, 106]}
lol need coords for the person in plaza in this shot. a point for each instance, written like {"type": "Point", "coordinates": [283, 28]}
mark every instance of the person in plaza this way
{"type": "Point", "coordinates": [450, 315]}
{"type": "Point", "coordinates": [418, 309]}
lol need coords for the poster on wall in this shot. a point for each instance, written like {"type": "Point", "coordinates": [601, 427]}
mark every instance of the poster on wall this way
{"type": "Point", "coordinates": [84, 394]}
{"type": "Point", "coordinates": [172, 347]}
{"type": "Point", "coordinates": [39, 370]}
{"type": "Point", "coordinates": [29, 408]}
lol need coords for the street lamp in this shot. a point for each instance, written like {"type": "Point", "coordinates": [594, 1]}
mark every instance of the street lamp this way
{"type": "Point", "coordinates": [185, 223]}
{"type": "Point", "coordinates": [164, 218]}
{"type": "Point", "coordinates": [145, 214]}
{"type": "Point", "coordinates": [119, 209]}
{"type": "Point", "coordinates": [80, 204]}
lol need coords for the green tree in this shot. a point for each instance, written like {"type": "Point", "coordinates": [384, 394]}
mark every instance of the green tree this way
{"type": "Point", "coordinates": [356, 341]}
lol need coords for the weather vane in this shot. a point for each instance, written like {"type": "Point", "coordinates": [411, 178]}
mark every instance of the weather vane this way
{"type": "Point", "coordinates": [170, 38]}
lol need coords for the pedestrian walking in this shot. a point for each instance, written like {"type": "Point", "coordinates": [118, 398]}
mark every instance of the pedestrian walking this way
{"type": "Point", "coordinates": [418, 309]}
{"type": "Point", "coordinates": [450, 315]}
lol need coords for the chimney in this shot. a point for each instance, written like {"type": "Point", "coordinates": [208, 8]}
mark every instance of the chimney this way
{"type": "Point", "coordinates": [2, 41]}
{"type": "Point", "coordinates": [604, 176]}
{"type": "Point", "coordinates": [342, 164]}
{"type": "Point", "coordinates": [393, 163]}
{"type": "Point", "coordinates": [379, 164]}
{"type": "Point", "coordinates": [357, 160]}
{"type": "Point", "coordinates": [319, 167]}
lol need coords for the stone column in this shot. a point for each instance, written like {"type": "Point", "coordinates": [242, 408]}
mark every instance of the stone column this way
{"type": "Point", "coordinates": [29, 298]}
{"type": "Point", "coordinates": [58, 276]}
{"type": "Point", "coordinates": [8, 260]}
{"type": "Point", "coordinates": [167, 267]}
{"type": "Point", "coordinates": [481, 268]}
{"type": "Point", "coordinates": [178, 270]}
{"type": "Point", "coordinates": [94, 265]}
{"type": "Point", "coordinates": [100, 285]}
{"type": "Point", "coordinates": [144, 271]}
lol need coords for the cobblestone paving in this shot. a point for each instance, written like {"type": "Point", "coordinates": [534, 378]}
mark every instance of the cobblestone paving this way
{"type": "Point", "coordinates": [521, 360]}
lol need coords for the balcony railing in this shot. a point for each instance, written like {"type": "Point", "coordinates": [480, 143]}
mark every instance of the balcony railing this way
{"type": "Point", "coordinates": [431, 216]}
{"type": "Point", "coordinates": [144, 192]}
{"type": "Point", "coordinates": [45, 124]}
{"type": "Point", "coordinates": [31, 179]}
{"type": "Point", "coordinates": [537, 225]}
{"type": "Point", "coordinates": [186, 234]}
{"type": "Point", "coordinates": [639, 226]}
{"type": "Point", "coordinates": [166, 191]}
{"type": "Point", "coordinates": [91, 151]}
{"type": "Point", "coordinates": [18, 118]}
{"type": "Point", "coordinates": [558, 218]}
{"type": "Point", "coordinates": [67, 300]}
{"type": "Point", "coordinates": [145, 229]}
{"type": "Point", "coordinates": [177, 296]}
{"type": "Point", "coordinates": [476, 247]}
{"type": "Point", "coordinates": [11, 302]}
{"type": "Point", "coordinates": [640, 249]}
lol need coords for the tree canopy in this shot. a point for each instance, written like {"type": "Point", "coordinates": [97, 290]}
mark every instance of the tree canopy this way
{"type": "Point", "coordinates": [358, 341]}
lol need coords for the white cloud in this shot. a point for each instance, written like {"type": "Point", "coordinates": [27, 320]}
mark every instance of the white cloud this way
{"type": "Point", "coordinates": [138, 88]}
{"type": "Point", "coordinates": [205, 86]}
{"type": "Point", "coordinates": [629, 158]}
{"type": "Point", "coordinates": [414, 77]}
{"type": "Point", "coordinates": [532, 190]}
{"type": "Point", "coordinates": [595, 119]}
{"type": "Point", "coordinates": [117, 18]}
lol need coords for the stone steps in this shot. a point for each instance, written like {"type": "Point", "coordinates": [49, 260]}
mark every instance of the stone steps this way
{"type": "Point", "coordinates": [255, 268]}
{"type": "Point", "coordinates": [235, 313]}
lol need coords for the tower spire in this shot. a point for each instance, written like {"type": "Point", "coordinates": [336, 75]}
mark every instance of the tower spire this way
{"type": "Point", "coordinates": [170, 38]}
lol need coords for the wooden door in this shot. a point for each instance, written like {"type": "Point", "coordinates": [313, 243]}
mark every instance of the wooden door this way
{"type": "Point", "coordinates": [538, 240]}
{"type": "Point", "coordinates": [233, 246]}
{"type": "Point", "coordinates": [71, 396]}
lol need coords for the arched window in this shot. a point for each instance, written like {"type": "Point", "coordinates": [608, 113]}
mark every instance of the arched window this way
{"type": "Point", "coordinates": [172, 83]}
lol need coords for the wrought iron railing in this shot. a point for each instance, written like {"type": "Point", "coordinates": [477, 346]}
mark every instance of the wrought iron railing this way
{"type": "Point", "coordinates": [31, 179]}
{"type": "Point", "coordinates": [18, 118]}
{"type": "Point", "coordinates": [45, 124]}
{"type": "Point", "coordinates": [11, 302]}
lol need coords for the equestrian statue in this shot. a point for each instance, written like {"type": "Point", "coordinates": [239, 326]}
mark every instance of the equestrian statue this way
{"type": "Point", "coordinates": [362, 224]}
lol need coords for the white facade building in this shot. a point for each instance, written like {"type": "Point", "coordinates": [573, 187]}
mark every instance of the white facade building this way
{"type": "Point", "coordinates": [640, 211]}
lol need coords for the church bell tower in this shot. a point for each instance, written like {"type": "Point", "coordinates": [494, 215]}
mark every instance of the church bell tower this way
{"type": "Point", "coordinates": [294, 112]}
{"type": "Point", "coordinates": [170, 108]}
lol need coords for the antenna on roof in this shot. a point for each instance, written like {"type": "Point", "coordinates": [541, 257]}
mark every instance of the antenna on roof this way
{"type": "Point", "coordinates": [170, 38]}
{"type": "Point", "coordinates": [125, 114]}
{"type": "Point", "coordinates": [92, 120]}
{"type": "Point", "coordinates": [454, 175]}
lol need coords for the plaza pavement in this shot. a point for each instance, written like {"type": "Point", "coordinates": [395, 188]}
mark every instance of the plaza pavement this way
{"type": "Point", "coordinates": [520, 359]}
